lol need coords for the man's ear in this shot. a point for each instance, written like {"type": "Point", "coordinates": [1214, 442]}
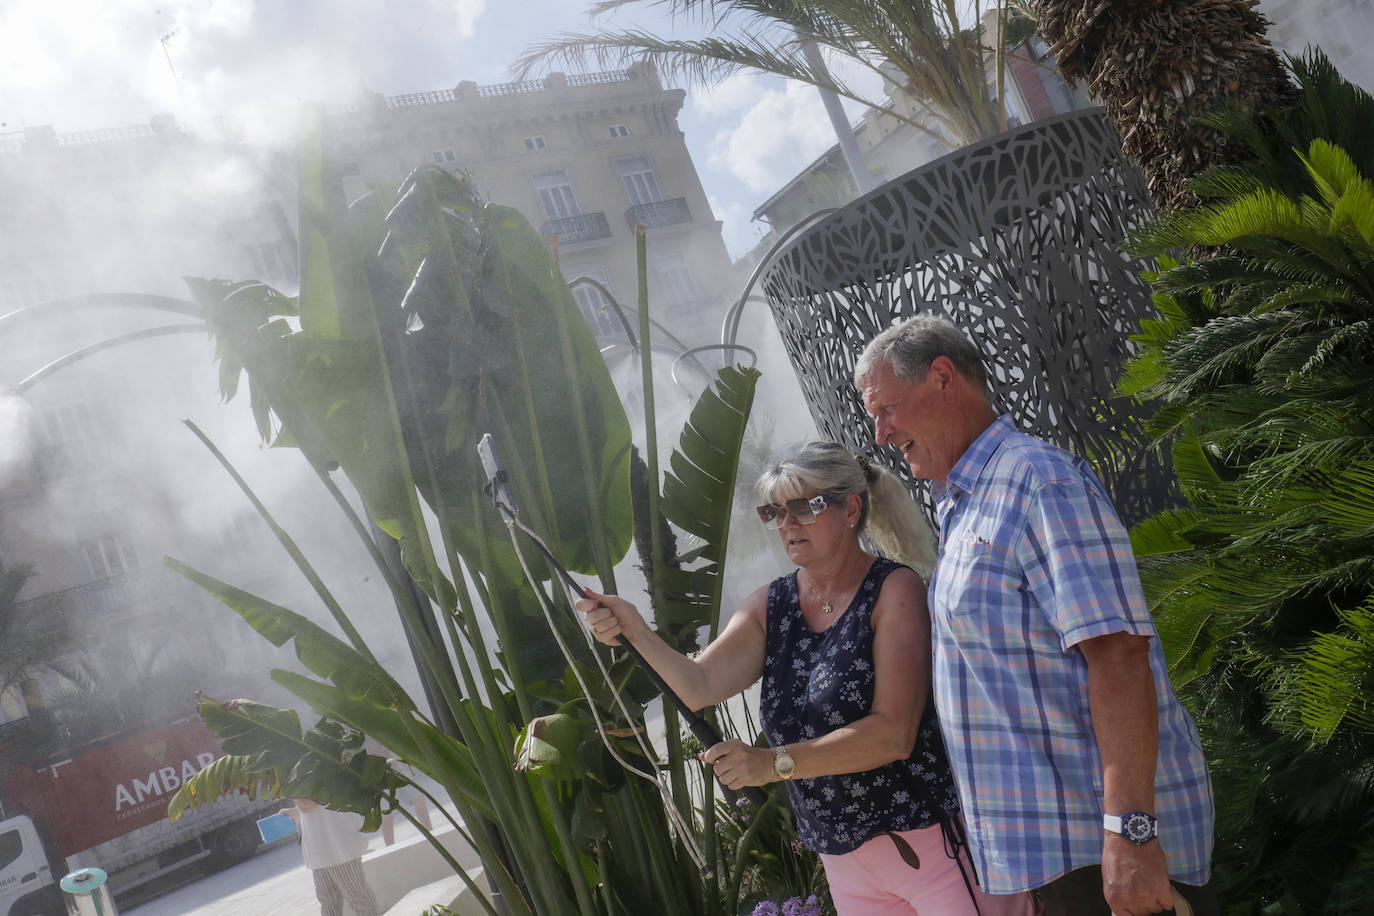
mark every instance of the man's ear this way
{"type": "Point", "coordinates": [945, 373]}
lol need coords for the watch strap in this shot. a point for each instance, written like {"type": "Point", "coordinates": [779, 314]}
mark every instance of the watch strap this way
{"type": "Point", "coordinates": [1136, 826]}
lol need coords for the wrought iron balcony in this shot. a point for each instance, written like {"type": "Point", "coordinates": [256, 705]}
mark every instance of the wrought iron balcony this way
{"type": "Point", "coordinates": [659, 213]}
{"type": "Point", "coordinates": [580, 228]}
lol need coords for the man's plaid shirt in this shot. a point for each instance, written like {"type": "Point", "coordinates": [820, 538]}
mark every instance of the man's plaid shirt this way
{"type": "Point", "coordinates": [1034, 560]}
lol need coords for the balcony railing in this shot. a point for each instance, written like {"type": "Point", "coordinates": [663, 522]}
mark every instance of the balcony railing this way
{"type": "Point", "coordinates": [131, 591]}
{"type": "Point", "coordinates": [580, 228]}
{"type": "Point", "coordinates": [659, 213]}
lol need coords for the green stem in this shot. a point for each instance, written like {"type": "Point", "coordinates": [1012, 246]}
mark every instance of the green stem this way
{"type": "Point", "coordinates": [571, 861]}
{"type": "Point", "coordinates": [458, 869]}
{"type": "Point", "coordinates": [289, 545]}
{"type": "Point", "coordinates": [745, 841]}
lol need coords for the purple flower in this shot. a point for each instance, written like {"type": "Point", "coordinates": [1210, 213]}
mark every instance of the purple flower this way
{"type": "Point", "coordinates": [766, 908]}
{"type": "Point", "coordinates": [812, 907]}
{"type": "Point", "coordinates": [791, 906]}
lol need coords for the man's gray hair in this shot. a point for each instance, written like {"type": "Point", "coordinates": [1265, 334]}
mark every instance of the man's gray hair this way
{"type": "Point", "coordinates": [910, 347]}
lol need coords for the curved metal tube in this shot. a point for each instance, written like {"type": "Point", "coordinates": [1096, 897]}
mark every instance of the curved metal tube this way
{"type": "Point", "coordinates": [753, 357]}
{"type": "Point", "coordinates": [77, 355]}
{"type": "Point", "coordinates": [102, 300]}
{"type": "Point", "coordinates": [730, 328]}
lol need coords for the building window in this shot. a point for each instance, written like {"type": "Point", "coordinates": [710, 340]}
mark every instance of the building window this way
{"type": "Point", "coordinates": [269, 260]}
{"type": "Point", "coordinates": [109, 556]}
{"type": "Point", "coordinates": [675, 281]}
{"type": "Point", "coordinates": [619, 130]}
{"type": "Point", "coordinates": [596, 306]}
{"type": "Point", "coordinates": [640, 183]}
{"type": "Point", "coordinates": [444, 155]}
{"type": "Point", "coordinates": [639, 180]}
{"type": "Point", "coordinates": [535, 142]}
{"type": "Point", "coordinates": [12, 709]}
{"type": "Point", "coordinates": [72, 432]}
{"type": "Point", "coordinates": [556, 194]}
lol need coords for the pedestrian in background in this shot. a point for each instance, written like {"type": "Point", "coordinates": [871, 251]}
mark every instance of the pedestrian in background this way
{"type": "Point", "coordinates": [332, 843]}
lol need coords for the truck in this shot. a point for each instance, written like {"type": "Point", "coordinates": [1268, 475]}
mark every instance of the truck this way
{"type": "Point", "coordinates": [103, 803]}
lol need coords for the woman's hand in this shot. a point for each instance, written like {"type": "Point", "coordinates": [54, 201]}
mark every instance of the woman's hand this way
{"type": "Point", "coordinates": [609, 617]}
{"type": "Point", "coordinates": [738, 765]}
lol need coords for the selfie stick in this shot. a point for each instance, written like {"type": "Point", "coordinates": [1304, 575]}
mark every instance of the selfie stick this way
{"type": "Point", "coordinates": [498, 487]}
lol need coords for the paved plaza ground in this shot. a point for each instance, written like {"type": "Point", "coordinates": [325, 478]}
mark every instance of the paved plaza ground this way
{"type": "Point", "coordinates": [275, 882]}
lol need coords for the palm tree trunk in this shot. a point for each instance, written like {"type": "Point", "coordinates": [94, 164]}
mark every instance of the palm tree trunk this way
{"type": "Point", "coordinates": [844, 132]}
{"type": "Point", "coordinates": [1158, 65]}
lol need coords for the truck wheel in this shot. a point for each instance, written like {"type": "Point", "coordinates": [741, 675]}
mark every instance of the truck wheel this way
{"type": "Point", "coordinates": [44, 904]}
{"type": "Point", "coordinates": [234, 844]}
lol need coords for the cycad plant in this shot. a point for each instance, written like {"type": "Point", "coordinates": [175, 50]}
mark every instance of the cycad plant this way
{"type": "Point", "coordinates": [942, 55]}
{"type": "Point", "coordinates": [1263, 588]}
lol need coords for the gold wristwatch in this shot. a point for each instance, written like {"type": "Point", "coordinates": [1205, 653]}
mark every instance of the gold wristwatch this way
{"type": "Point", "coordinates": [783, 764]}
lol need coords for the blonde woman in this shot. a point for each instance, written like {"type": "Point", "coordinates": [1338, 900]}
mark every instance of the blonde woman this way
{"type": "Point", "coordinates": [843, 647]}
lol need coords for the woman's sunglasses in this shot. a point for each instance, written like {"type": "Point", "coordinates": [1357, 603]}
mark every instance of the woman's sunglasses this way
{"type": "Point", "coordinates": [803, 510]}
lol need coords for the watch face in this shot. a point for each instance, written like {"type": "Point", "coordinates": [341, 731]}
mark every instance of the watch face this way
{"type": "Point", "coordinates": [784, 764]}
{"type": "Point", "coordinates": [1138, 827]}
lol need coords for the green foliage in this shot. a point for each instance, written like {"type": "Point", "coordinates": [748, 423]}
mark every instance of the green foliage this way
{"type": "Point", "coordinates": [1262, 361]}
{"type": "Point", "coordinates": [941, 61]}
{"type": "Point", "coordinates": [269, 756]}
{"type": "Point", "coordinates": [698, 497]}
{"type": "Point", "coordinates": [422, 324]}
{"type": "Point", "coordinates": [26, 638]}
{"type": "Point", "coordinates": [769, 862]}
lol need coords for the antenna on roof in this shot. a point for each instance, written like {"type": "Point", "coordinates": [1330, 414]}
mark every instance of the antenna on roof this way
{"type": "Point", "coordinates": [165, 39]}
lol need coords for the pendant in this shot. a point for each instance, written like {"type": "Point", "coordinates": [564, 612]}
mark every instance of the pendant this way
{"type": "Point", "coordinates": [828, 608]}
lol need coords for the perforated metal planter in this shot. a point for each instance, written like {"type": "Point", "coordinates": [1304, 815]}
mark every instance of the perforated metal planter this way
{"type": "Point", "coordinates": [1016, 239]}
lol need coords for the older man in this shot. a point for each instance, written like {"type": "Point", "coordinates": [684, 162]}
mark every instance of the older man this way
{"type": "Point", "coordinates": [1080, 774]}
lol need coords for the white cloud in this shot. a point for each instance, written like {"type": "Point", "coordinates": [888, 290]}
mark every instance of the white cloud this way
{"type": "Point", "coordinates": [727, 98]}
{"type": "Point", "coordinates": [86, 64]}
{"type": "Point", "coordinates": [469, 11]}
{"type": "Point", "coordinates": [737, 228]}
{"type": "Point", "coordinates": [769, 142]}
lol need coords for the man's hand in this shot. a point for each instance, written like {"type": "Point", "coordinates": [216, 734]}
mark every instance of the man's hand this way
{"type": "Point", "coordinates": [1135, 879]}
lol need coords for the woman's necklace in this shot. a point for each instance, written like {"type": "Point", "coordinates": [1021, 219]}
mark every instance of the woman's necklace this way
{"type": "Point", "coordinates": [827, 604]}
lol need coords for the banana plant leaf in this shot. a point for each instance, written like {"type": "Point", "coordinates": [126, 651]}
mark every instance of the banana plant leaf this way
{"type": "Point", "coordinates": [497, 344]}
{"type": "Point", "coordinates": [267, 752]}
{"type": "Point", "coordinates": [698, 497]}
{"type": "Point", "coordinates": [319, 650]}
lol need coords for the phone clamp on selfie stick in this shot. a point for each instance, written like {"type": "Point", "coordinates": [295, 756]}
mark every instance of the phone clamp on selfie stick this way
{"type": "Point", "coordinates": [498, 487]}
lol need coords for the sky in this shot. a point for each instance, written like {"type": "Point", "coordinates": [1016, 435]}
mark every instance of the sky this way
{"type": "Point", "coordinates": [91, 64]}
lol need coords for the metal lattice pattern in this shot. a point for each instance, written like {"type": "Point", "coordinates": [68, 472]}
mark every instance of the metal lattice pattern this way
{"type": "Point", "coordinates": [1016, 239]}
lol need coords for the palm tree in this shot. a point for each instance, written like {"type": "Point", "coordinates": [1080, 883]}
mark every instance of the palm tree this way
{"type": "Point", "coordinates": [1263, 588]}
{"type": "Point", "coordinates": [31, 639]}
{"type": "Point", "coordinates": [1159, 67]}
{"type": "Point", "coordinates": [925, 47]}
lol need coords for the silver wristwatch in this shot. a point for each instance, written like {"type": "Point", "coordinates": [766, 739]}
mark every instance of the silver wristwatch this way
{"type": "Point", "coordinates": [1136, 826]}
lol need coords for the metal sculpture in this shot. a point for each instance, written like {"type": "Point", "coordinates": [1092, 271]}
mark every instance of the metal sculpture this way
{"type": "Point", "coordinates": [1016, 239]}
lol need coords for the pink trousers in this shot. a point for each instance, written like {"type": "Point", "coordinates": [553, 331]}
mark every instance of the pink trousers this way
{"type": "Point", "coordinates": [874, 880]}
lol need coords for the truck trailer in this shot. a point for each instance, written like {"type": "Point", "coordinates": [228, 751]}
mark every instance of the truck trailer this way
{"type": "Point", "coordinates": [103, 803]}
